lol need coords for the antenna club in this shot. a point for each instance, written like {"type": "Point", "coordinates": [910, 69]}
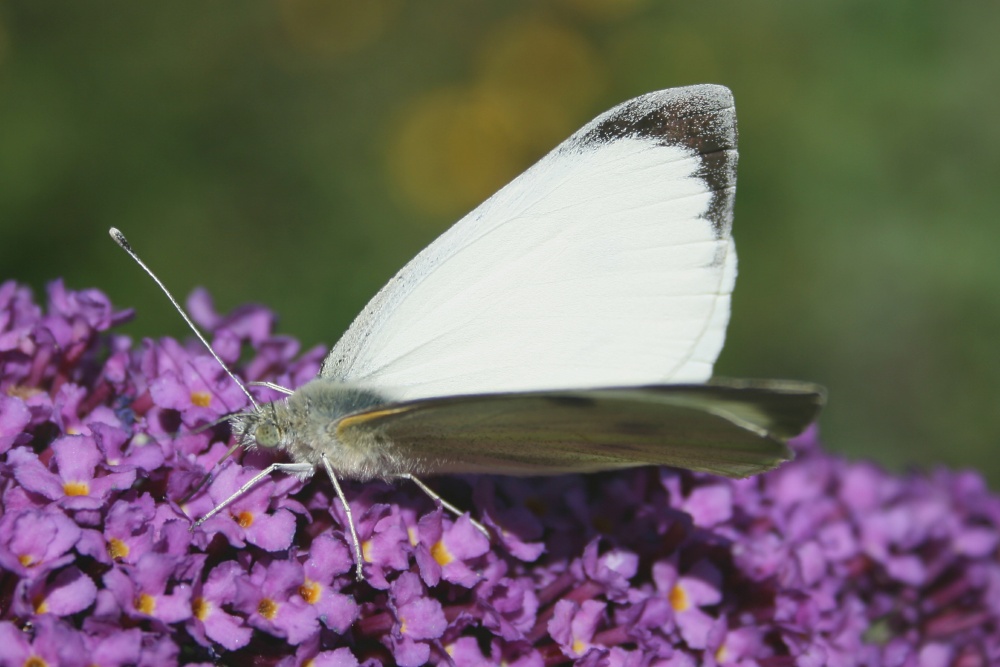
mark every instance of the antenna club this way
{"type": "Point", "coordinates": [119, 238]}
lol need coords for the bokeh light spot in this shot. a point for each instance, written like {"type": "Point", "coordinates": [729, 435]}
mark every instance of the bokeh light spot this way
{"type": "Point", "coordinates": [451, 149]}
{"type": "Point", "coordinates": [550, 72]}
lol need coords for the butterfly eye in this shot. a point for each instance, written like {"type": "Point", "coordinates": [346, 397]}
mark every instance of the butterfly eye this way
{"type": "Point", "coordinates": [267, 435]}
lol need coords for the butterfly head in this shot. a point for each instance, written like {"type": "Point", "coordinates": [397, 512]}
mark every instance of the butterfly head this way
{"type": "Point", "coordinates": [262, 427]}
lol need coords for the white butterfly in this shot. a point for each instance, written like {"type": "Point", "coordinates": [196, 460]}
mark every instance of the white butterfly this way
{"type": "Point", "coordinates": [568, 324]}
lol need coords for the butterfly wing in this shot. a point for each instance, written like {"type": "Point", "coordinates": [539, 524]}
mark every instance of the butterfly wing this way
{"type": "Point", "coordinates": [608, 263]}
{"type": "Point", "coordinates": [731, 428]}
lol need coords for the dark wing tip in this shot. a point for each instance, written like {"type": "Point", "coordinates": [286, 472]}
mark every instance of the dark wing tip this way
{"type": "Point", "coordinates": [700, 118]}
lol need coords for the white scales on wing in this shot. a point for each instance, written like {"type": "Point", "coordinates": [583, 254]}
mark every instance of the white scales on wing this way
{"type": "Point", "coordinates": [608, 263]}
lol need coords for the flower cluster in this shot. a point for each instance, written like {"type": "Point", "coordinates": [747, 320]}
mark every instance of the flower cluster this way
{"type": "Point", "coordinates": [103, 444]}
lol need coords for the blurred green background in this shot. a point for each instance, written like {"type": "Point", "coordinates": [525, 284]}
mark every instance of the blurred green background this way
{"type": "Point", "coordinates": [297, 153]}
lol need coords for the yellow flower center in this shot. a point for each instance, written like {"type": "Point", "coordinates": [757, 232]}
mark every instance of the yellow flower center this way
{"type": "Point", "coordinates": [310, 591]}
{"type": "Point", "coordinates": [201, 398]}
{"type": "Point", "coordinates": [200, 608]}
{"type": "Point", "coordinates": [721, 654]}
{"type": "Point", "coordinates": [117, 549]}
{"type": "Point", "coordinates": [145, 604]}
{"type": "Point", "coordinates": [267, 608]}
{"type": "Point", "coordinates": [679, 599]}
{"type": "Point", "coordinates": [76, 489]}
{"type": "Point", "coordinates": [441, 554]}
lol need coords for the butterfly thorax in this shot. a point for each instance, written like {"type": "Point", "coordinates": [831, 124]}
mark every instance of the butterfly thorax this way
{"type": "Point", "coordinates": [305, 426]}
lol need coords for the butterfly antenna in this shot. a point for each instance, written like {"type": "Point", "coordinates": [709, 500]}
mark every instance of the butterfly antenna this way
{"type": "Point", "coordinates": [123, 243]}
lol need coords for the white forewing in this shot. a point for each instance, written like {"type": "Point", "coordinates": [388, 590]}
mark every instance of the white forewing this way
{"type": "Point", "coordinates": [608, 263]}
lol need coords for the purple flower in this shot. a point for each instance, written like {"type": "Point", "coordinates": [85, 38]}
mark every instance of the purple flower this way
{"type": "Point", "coordinates": [211, 620]}
{"type": "Point", "coordinates": [269, 598]}
{"type": "Point", "coordinates": [149, 589]}
{"type": "Point", "coordinates": [688, 593]}
{"type": "Point", "coordinates": [49, 642]}
{"type": "Point", "coordinates": [64, 594]}
{"type": "Point", "coordinates": [309, 653]}
{"type": "Point", "coordinates": [35, 541]}
{"type": "Point", "coordinates": [385, 544]}
{"type": "Point", "coordinates": [250, 519]}
{"type": "Point", "coordinates": [419, 620]}
{"type": "Point", "coordinates": [507, 607]}
{"type": "Point", "coordinates": [821, 562]}
{"type": "Point", "coordinates": [118, 649]}
{"type": "Point", "coordinates": [76, 485]}
{"type": "Point", "coordinates": [194, 386]}
{"type": "Point", "coordinates": [14, 417]}
{"type": "Point", "coordinates": [444, 550]}
{"type": "Point", "coordinates": [574, 625]}
{"type": "Point", "coordinates": [128, 528]}
{"type": "Point", "coordinates": [326, 559]}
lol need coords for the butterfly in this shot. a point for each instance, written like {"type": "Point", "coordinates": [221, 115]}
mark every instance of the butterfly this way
{"type": "Point", "coordinates": [569, 324]}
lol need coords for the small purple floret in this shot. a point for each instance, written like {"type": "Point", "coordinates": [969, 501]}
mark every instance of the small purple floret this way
{"type": "Point", "coordinates": [821, 562]}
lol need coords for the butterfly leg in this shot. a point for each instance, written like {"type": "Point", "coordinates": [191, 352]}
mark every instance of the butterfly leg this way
{"type": "Point", "coordinates": [358, 559]}
{"type": "Point", "coordinates": [444, 503]}
{"type": "Point", "coordinates": [302, 469]}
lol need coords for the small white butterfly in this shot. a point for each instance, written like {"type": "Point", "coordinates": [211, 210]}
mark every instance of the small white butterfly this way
{"type": "Point", "coordinates": [568, 324]}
